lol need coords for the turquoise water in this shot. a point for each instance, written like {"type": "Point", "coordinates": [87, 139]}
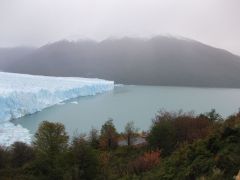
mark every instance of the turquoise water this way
{"type": "Point", "coordinates": [133, 103]}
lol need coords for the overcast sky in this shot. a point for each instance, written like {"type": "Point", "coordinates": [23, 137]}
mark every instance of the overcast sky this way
{"type": "Point", "coordinates": [36, 22]}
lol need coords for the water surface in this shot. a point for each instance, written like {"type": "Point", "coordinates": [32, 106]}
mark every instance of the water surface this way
{"type": "Point", "coordinates": [133, 103]}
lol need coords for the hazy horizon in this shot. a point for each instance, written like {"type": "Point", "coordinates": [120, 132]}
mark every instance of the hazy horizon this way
{"type": "Point", "coordinates": [36, 23]}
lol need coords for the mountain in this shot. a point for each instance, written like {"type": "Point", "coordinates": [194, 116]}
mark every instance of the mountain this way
{"type": "Point", "coordinates": [12, 55]}
{"type": "Point", "coordinates": [156, 61]}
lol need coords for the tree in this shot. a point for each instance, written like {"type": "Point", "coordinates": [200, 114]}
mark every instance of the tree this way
{"type": "Point", "coordinates": [213, 116]}
{"type": "Point", "coordinates": [130, 132]}
{"type": "Point", "coordinates": [94, 138]}
{"type": "Point", "coordinates": [51, 145]}
{"type": "Point", "coordinates": [108, 137]}
{"type": "Point", "coordinates": [213, 157]}
{"type": "Point", "coordinates": [189, 128]}
{"type": "Point", "coordinates": [85, 161]}
{"type": "Point", "coordinates": [170, 130]}
{"type": "Point", "coordinates": [21, 153]}
{"type": "Point", "coordinates": [51, 138]}
{"type": "Point", "coordinates": [163, 136]}
{"type": "Point", "coordinates": [3, 157]}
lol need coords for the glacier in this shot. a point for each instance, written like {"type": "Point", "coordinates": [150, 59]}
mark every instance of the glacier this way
{"type": "Point", "coordinates": [22, 94]}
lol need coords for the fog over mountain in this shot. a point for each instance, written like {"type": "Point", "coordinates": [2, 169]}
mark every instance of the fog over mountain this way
{"type": "Point", "coordinates": [12, 55]}
{"type": "Point", "coordinates": [157, 61]}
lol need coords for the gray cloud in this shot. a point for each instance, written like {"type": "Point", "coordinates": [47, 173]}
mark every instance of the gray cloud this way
{"type": "Point", "coordinates": [36, 22]}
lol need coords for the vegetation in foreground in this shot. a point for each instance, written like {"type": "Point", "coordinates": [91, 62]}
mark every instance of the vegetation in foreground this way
{"type": "Point", "coordinates": [180, 146]}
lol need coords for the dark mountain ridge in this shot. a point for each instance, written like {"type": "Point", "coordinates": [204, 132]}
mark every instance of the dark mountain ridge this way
{"type": "Point", "coordinates": [156, 61]}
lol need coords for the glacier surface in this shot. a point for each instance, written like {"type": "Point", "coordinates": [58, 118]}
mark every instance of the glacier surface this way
{"type": "Point", "coordinates": [22, 94]}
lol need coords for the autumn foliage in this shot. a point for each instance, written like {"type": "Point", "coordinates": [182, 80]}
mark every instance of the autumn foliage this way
{"type": "Point", "coordinates": [169, 130]}
{"type": "Point", "coordinates": [179, 146]}
{"type": "Point", "coordinates": [189, 128]}
{"type": "Point", "coordinates": [145, 162]}
{"type": "Point", "coordinates": [108, 137]}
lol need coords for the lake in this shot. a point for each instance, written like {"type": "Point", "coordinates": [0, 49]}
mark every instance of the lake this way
{"type": "Point", "coordinates": [133, 103]}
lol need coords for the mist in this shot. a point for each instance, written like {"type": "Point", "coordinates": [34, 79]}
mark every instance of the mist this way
{"type": "Point", "coordinates": [35, 23]}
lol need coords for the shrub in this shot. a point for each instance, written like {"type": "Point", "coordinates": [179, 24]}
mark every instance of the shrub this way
{"type": "Point", "coordinates": [145, 162]}
{"type": "Point", "coordinates": [3, 157]}
{"type": "Point", "coordinates": [170, 130]}
{"type": "Point", "coordinates": [21, 154]}
{"type": "Point", "coordinates": [85, 161]}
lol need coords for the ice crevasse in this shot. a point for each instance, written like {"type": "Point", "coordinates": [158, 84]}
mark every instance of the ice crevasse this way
{"type": "Point", "coordinates": [22, 94]}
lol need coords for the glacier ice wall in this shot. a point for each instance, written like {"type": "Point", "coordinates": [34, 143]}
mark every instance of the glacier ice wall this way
{"type": "Point", "coordinates": [22, 94]}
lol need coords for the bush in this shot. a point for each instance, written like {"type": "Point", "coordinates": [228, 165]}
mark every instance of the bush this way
{"type": "Point", "coordinates": [163, 136]}
{"type": "Point", "coordinates": [21, 154]}
{"type": "Point", "coordinates": [216, 156]}
{"type": "Point", "coordinates": [85, 161]}
{"type": "Point", "coordinates": [170, 130]}
{"type": "Point", "coordinates": [3, 157]}
{"type": "Point", "coordinates": [145, 162]}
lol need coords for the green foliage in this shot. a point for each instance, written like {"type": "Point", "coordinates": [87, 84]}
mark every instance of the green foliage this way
{"type": "Point", "coordinates": [3, 157]}
{"type": "Point", "coordinates": [51, 143]}
{"type": "Point", "coordinates": [51, 139]}
{"type": "Point", "coordinates": [163, 136]}
{"type": "Point", "coordinates": [94, 138]}
{"type": "Point", "coordinates": [21, 154]}
{"type": "Point", "coordinates": [201, 159]}
{"type": "Point", "coordinates": [85, 160]}
{"type": "Point", "coordinates": [213, 116]}
{"type": "Point", "coordinates": [194, 147]}
{"type": "Point", "coordinates": [118, 162]}
{"type": "Point", "coordinates": [169, 130]}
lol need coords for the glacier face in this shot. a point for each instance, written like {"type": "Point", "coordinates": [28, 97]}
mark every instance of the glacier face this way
{"type": "Point", "coordinates": [22, 94]}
